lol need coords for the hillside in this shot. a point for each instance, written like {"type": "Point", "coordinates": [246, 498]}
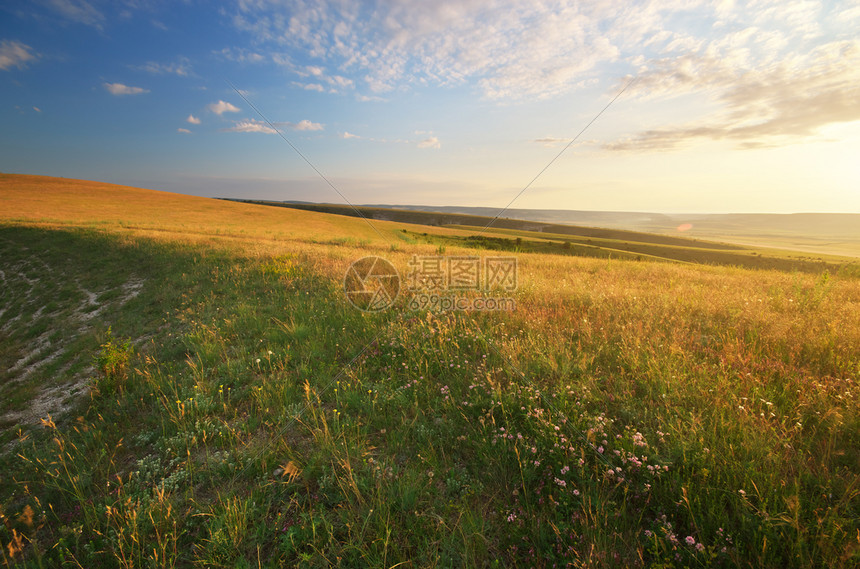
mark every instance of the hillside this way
{"type": "Point", "coordinates": [509, 234]}
{"type": "Point", "coordinates": [821, 233]}
{"type": "Point", "coordinates": [188, 383]}
{"type": "Point", "coordinates": [60, 201]}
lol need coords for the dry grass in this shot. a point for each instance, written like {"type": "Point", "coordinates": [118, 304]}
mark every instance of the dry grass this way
{"type": "Point", "coordinates": [59, 201]}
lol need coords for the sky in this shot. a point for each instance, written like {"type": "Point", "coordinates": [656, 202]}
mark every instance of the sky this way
{"type": "Point", "coordinates": [676, 106]}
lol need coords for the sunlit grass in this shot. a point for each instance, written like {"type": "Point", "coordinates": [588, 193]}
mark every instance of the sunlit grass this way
{"type": "Point", "coordinates": [627, 414]}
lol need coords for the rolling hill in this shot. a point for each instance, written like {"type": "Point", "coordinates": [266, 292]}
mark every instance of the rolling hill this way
{"type": "Point", "coordinates": [187, 383]}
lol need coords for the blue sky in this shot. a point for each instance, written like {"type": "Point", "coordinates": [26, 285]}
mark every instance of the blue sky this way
{"type": "Point", "coordinates": [731, 106]}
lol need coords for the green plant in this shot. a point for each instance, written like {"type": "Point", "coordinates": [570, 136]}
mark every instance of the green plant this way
{"type": "Point", "coordinates": [111, 362]}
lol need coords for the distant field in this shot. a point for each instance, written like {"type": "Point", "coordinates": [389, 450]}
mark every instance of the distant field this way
{"type": "Point", "coordinates": [591, 241]}
{"type": "Point", "coordinates": [186, 385]}
{"type": "Point", "coordinates": [819, 233]}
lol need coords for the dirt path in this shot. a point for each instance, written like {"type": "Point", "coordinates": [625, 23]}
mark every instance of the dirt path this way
{"type": "Point", "coordinates": [30, 287]}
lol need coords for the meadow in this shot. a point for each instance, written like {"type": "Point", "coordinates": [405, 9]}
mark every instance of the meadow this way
{"type": "Point", "coordinates": [474, 231]}
{"type": "Point", "coordinates": [186, 385]}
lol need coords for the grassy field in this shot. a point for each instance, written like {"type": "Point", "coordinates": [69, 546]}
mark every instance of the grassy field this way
{"type": "Point", "coordinates": [186, 385]}
{"type": "Point", "coordinates": [537, 237]}
{"type": "Point", "coordinates": [817, 233]}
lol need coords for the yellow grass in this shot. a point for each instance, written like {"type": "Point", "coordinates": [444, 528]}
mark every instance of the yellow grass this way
{"type": "Point", "coordinates": [46, 200]}
{"type": "Point", "coordinates": [60, 201]}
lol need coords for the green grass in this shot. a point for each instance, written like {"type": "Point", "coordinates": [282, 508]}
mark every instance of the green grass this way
{"type": "Point", "coordinates": [261, 421]}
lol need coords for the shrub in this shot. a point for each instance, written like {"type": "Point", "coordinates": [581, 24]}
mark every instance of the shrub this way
{"type": "Point", "coordinates": [111, 363]}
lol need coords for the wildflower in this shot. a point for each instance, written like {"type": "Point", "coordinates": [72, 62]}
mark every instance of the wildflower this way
{"type": "Point", "coordinates": [742, 493]}
{"type": "Point", "coordinates": [648, 533]}
{"type": "Point", "coordinates": [700, 547]}
{"type": "Point", "coordinates": [690, 540]}
{"type": "Point", "coordinates": [600, 450]}
{"type": "Point", "coordinates": [575, 492]}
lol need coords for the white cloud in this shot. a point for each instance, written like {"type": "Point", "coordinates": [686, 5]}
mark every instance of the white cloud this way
{"type": "Point", "coordinates": [37, 109]}
{"type": "Point", "coordinates": [181, 67]}
{"type": "Point", "coordinates": [192, 119]}
{"type": "Point", "coordinates": [15, 54]}
{"type": "Point", "coordinates": [788, 99]}
{"type": "Point", "coordinates": [511, 48]}
{"type": "Point", "coordinates": [431, 142]}
{"type": "Point", "coordinates": [79, 11]}
{"type": "Point", "coordinates": [349, 135]}
{"type": "Point", "coordinates": [551, 142]}
{"type": "Point", "coordinates": [321, 80]}
{"type": "Point", "coordinates": [240, 55]}
{"type": "Point", "coordinates": [339, 82]}
{"type": "Point", "coordinates": [369, 99]}
{"type": "Point", "coordinates": [222, 107]}
{"type": "Point", "coordinates": [525, 49]}
{"type": "Point", "coordinates": [120, 89]}
{"type": "Point", "coordinates": [251, 125]}
{"type": "Point", "coordinates": [310, 86]}
{"type": "Point", "coordinates": [183, 130]}
{"type": "Point", "coordinates": [304, 124]}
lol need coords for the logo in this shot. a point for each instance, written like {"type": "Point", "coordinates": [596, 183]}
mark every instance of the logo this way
{"type": "Point", "coordinates": [436, 283]}
{"type": "Point", "coordinates": [371, 284]}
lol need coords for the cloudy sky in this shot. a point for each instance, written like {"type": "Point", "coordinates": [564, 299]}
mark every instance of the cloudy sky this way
{"type": "Point", "coordinates": [724, 106]}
